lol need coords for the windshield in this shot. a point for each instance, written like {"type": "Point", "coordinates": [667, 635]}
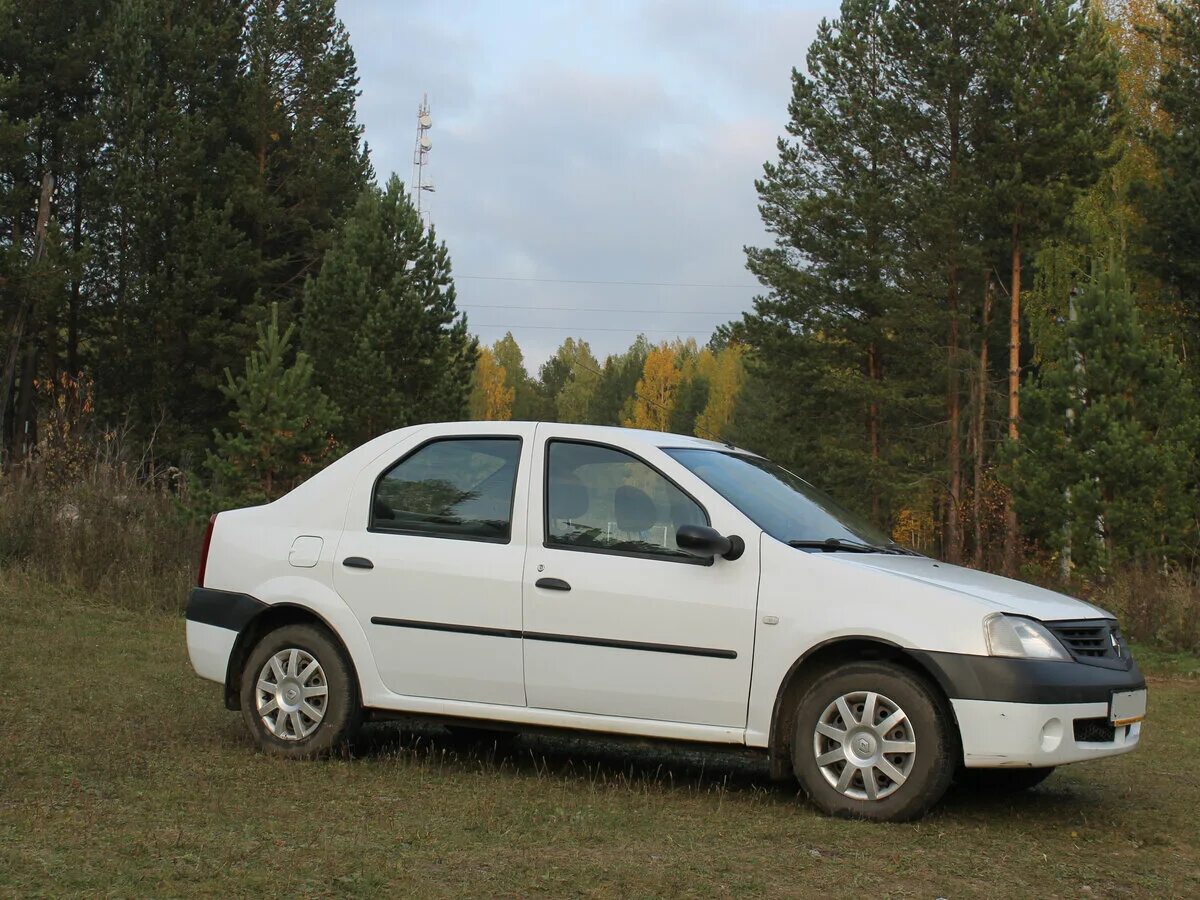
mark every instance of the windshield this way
{"type": "Point", "coordinates": [783, 505]}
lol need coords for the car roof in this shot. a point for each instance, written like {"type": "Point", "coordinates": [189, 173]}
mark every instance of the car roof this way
{"type": "Point", "coordinates": [614, 434]}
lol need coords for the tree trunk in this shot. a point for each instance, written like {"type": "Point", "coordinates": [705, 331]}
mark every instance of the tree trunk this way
{"type": "Point", "coordinates": [25, 420]}
{"type": "Point", "coordinates": [873, 428]}
{"type": "Point", "coordinates": [76, 245]}
{"type": "Point", "coordinates": [1011, 533]}
{"type": "Point", "coordinates": [981, 392]}
{"type": "Point", "coordinates": [953, 542]}
{"type": "Point", "coordinates": [23, 308]}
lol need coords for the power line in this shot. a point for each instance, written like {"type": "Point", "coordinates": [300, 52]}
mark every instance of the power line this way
{"type": "Point", "coordinates": [579, 329]}
{"type": "Point", "coordinates": [683, 284]}
{"type": "Point", "coordinates": [610, 309]}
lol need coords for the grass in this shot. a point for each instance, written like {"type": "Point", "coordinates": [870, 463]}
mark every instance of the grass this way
{"type": "Point", "coordinates": [122, 774]}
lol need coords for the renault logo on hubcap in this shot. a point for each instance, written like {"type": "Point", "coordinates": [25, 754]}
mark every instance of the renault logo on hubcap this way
{"type": "Point", "coordinates": [291, 694]}
{"type": "Point", "coordinates": [864, 746]}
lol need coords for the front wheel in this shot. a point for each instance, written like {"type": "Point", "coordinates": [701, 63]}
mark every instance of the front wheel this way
{"type": "Point", "coordinates": [873, 741]}
{"type": "Point", "coordinates": [299, 696]}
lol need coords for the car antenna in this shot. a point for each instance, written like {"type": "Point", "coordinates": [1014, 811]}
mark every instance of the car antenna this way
{"type": "Point", "coordinates": [708, 434]}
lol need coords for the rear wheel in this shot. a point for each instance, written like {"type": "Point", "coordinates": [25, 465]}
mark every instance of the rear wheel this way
{"type": "Point", "coordinates": [299, 697]}
{"type": "Point", "coordinates": [873, 741]}
{"type": "Point", "coordinates": [1002, 781]}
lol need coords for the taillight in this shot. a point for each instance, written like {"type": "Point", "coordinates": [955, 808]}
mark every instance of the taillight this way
{"type": "Point", "coordinates": [212, 521]}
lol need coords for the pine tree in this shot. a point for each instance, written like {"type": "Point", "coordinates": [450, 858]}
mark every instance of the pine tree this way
{"type": "Point", "coordinates": [49, 134]}
{"type": "Point", "coordinates": [491, 399]}
{"type": "Point", "coordinates": [940, 45]}
{"type": "Point", "coordinates": [552, 376]}
{"type": "Point", "coordinates": [169, 255]}
{"type": "Point", "coordinates": [614, 399]}
{"type": "Point", "coordinates": [282, 422]}
{"type": "Point", "coordinates": [309, 165]}
{"type": "Point", "coordinates": [695, 373]}
{"type": "Point", "coordinates": [388, 344]}
{"type": "Point", "coordinates": [1171, 205]}
{"type": "Point", "coordinates": [1108, 453]}
{"type": "Point", "coordinates": [835, 323]}
{"type": "Point", "coordinates": [1050, 93]}
{"type": "Point", "coordinates": [576, 398]}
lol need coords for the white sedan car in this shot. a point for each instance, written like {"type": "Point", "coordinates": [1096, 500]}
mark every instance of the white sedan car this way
{"type": "Point", "coordinates": [536, 575]}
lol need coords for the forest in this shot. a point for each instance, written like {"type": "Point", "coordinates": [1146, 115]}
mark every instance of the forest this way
{"type": "Point", "coordinates": [979, 317]}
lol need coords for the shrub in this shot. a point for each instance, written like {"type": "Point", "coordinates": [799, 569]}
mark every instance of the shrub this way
{"type": "Point", "coordinates": [1156, 607]}
{"type": "Point", "coordinates": [108, 536]}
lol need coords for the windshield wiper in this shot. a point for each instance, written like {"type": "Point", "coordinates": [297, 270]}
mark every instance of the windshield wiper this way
{"type": "Point", "coordinates": [836, 545]}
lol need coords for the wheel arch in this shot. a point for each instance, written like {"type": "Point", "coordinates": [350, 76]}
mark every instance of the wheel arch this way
{"type": "Point", "coordinates": [272, 617]}
{"type": "Point", "coordinates": [822, 657]}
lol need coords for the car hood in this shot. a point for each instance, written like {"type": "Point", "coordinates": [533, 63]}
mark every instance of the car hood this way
{"type": "Point", "coordinates": [1005, 594]}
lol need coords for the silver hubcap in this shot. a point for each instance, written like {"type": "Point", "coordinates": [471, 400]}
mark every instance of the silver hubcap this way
{"type": "Point", "coordinates": [291, 695]}
{"type": "Point", "coordinates": [865, 745]}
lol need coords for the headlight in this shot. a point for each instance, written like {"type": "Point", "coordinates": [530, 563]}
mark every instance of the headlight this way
{"type": "Point", "coordinates": [1026, 638]}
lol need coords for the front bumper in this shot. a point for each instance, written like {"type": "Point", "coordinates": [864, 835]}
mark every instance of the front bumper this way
{"type": "Point", "coordinates": [1000, 734]}
{"type": "Point", "coordinates": [1028, 712]}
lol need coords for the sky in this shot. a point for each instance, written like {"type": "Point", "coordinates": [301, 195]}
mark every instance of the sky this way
{"type": "Point", "coordinates": [578, 144]}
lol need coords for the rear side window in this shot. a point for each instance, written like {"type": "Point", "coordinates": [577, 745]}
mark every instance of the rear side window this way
{"type": "Point", "coordinates": [601, 499]}
{"type": "Point", "coordinates": [453, 488]}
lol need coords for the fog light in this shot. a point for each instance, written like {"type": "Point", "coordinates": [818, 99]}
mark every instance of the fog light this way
{"type": "Point", "coordinates": [1052, 733]}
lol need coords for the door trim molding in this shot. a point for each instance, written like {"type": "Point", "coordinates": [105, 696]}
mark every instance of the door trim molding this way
{"type": "Point", "coordinates": [446, 626]}
{"type": "Point", "coordinates": [681, 649]}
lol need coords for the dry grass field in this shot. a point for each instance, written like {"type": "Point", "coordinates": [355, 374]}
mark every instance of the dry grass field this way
{"type": "Point", "coordinates": [121, 774]}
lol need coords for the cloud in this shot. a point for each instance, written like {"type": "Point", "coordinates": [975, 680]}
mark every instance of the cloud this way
{"type": "Point", "coordinates": [604, 142]}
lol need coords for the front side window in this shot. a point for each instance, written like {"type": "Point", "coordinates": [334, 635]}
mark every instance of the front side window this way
{"type": "Point", "coordinates": [456, 488]}
{"type": "Point", "coordinates": [782, 504]}
{"type": "Point", "coordinates": [598, 498]}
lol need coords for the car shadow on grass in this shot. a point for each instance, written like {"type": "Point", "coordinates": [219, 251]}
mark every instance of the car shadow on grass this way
{"type": "Point", "coordinates": [640, 764]}
{"type": "Point", "coordinates": [596, 758]}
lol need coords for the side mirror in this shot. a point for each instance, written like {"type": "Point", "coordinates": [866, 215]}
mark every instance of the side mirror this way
{"type": "Point", "coordinates": [705, 542]}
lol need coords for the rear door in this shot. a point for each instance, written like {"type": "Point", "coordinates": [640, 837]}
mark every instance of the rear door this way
{"type": "Point", "coordinates": [431, 563]}
{"type": "Point", "coordinates": [618, 621]}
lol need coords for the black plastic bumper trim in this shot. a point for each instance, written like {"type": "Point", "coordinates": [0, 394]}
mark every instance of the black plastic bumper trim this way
{"type": "Point", "coordinates": [966, 677]}
{"type": "Point", "coordinates": [557, 638]}
{"type": "Point", "coordinates": [225, 609]}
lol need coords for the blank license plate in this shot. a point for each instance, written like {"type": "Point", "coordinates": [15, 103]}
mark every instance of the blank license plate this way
{"type": "Point", "coordinates": [1127, 707]}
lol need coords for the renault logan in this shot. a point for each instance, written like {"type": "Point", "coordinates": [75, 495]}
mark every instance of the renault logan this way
{"type": "Point", "coordinates": [640, 583]}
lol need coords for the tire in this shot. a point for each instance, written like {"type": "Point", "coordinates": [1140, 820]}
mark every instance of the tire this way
{"type": "Point", "coordinates": [321, 702]}
{"type": "Point", "coordinates": [1002, 781]}
{"type": "Point", "coordinates": [919, 730]}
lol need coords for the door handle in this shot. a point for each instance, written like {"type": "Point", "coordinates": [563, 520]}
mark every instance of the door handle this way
{"type": "Point", "coordinates": [357, 562]}
{"type": "Point", "coordinates": [552, 584]}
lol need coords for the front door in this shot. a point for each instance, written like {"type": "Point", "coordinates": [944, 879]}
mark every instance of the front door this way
{"type": "Point", "coordinates": [618, 620]}
{"type": "Point", "coordinates": [431, 563]}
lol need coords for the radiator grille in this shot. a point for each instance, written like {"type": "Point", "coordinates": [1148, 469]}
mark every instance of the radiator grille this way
{"type": "Point", "coordinates": [1094, 731]}
{"type": "Point", "coordinates": [1091, 640]}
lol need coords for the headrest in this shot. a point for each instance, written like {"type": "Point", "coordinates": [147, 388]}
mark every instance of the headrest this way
{"type": "Point", "coordinates": [568, 498]}
{"type": "Point", "coordinates": [383, 511]}
{"type": "Point", "coordinates": [634, 509]}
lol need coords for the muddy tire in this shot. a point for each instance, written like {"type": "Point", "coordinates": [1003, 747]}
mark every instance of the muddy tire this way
{"type": "Point", "coordinates": [873, 741]}
{"type": "Point", "coordinates": [299, 694]}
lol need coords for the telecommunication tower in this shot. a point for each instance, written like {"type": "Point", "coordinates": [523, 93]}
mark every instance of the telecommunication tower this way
{"type": "Point", "coordinates": [421, 183]}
